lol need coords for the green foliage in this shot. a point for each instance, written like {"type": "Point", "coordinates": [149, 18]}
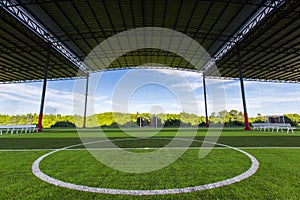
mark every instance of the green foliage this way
{"type": "Point", "coordinates": [66, 124]}
{"type": "Point", "coordinates": [117, 119]}
{"type": "Point", "coordinates": [293, 119]}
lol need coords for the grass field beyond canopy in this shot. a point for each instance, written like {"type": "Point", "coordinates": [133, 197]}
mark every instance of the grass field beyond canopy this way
{"type": "Point", "coordinates": [277, 176]}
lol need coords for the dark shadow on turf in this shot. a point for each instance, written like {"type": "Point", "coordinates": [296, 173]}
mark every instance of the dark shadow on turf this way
{"type": "Point", "coordinates": [236, 141]}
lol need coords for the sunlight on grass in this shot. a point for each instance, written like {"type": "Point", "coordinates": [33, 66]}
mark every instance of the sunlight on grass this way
{"type": "Point", "coordinates": [276, 178]}
{"type": "Point", "coordinates": [80, 167]}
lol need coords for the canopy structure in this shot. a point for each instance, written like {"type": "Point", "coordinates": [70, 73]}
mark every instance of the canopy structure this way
{"type": "Point", "coordinates": [269, 51]}
{"type": "Point", "coordinates": [23, 53]}
{"type": "Point", "coordinates": [252, 39]}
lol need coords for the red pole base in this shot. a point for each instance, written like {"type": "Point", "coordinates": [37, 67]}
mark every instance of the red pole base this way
{"type": "Point", "coordinates": [247, 127]}
{"type": "Point", "coordinates": [207, 123]}
{"type": "Point", "coordinates": [40, 128]}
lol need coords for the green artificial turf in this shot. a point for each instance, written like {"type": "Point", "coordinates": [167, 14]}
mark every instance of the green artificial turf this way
{"type": "Point", "coordinates": [277, 176]}
{"type": "Point", "coordinates": [82, 168]}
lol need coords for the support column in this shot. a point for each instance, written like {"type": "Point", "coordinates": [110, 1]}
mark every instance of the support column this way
{"type": "Point", "coordinates": [205, 103]}
{"type": "Point", "coordinates": [140, 122]}
{"type": "Point", "coordinates": [40, 122]}
{"type": "Point", "coordinates": [86, 99]}
{"type": "Point", "coordinates": [247, 127]}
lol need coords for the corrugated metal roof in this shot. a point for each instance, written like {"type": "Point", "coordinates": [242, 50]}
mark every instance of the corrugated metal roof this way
{"type": "Point", "coordinates": [270, 52]}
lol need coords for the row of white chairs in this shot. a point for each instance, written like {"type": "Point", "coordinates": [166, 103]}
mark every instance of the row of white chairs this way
{"type": "Point", "coordinates": [18, 128]}
{"type": "Point", "coordinates": [273, 126]}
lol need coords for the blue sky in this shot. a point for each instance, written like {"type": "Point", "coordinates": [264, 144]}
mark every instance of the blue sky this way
{"type": "Point", "coordinates": [161, 92]}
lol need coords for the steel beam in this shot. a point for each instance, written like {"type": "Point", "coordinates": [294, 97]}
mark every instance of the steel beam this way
{"type": "Point", "coordinates": [205, 103]}
{"type": "Point", "coordinates": [247, 127]}
{"type": "Point", "coordinates": [40, 122]}
{"type": "Point", "coordinates": [36, 28]}
{"type": "Point", "coordinates": [86, 100]}
{"type": "Point", "coordinates": [243, 32]}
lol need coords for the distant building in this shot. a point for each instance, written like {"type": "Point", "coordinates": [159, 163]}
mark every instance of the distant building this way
{"type": "Point", "coordinates": [275, 119]}
{"type": "Point", "coordinates": [147, 122]}
{"type": "Point", "coordinates": [153, 121]}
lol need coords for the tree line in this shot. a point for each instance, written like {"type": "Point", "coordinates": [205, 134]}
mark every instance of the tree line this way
{"type": "Point", "coordinates": [116, 119]}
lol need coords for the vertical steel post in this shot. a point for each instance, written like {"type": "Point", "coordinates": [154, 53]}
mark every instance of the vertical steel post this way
{"type": "Point", "coordinates": [40, 121]}
{"type": "Point", "coordinates": [247, 127]}
{"type": "Point", "coordinates": [205, 103]}
{"type": "Point", "coordinates": [86, 99]}
{"type": "Point", "coordinates": [140, 122]}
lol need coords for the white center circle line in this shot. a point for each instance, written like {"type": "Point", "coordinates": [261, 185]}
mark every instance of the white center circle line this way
{"type": "Point", "coordinates": [41, 175]}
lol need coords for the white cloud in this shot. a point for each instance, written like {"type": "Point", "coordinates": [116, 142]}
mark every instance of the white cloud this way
{"type": "Point", "coordinates": [264, 98]}
{"type": "Point", "coordinates": [25, 98]}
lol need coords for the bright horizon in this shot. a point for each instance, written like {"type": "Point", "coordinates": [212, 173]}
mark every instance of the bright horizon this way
{"type": "Point", "coordinates": [266, 98]}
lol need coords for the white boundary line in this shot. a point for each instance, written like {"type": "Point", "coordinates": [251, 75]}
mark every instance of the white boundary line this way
{"type": "Point", "coordinates": [140, 148]}
{"type": "Point", "coordinates": [38, 173]}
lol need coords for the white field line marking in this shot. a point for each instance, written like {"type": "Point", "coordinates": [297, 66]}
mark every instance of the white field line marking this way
{"type": "Point", "coordinates": [141, 148]}
{"type": "Point", "coordinates": [38, 173]}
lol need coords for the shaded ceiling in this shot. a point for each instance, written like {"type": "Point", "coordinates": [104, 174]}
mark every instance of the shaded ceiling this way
{"type": "Point", "coordinates": [269, 52]}
{"type": "Point", "coordinates": [23, 55]}
{"type": "Point", "coordinates": [82, 25]}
